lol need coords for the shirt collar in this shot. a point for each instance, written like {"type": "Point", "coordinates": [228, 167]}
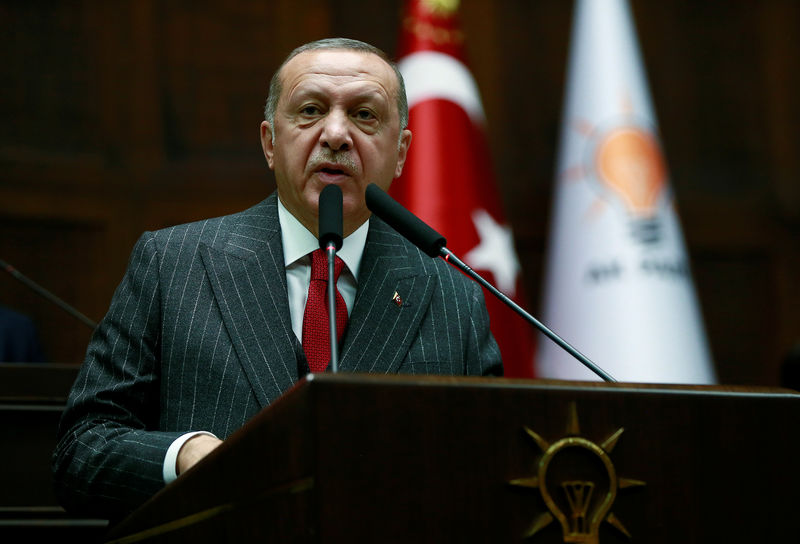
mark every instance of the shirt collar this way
{"type": "Point", "coordinates": [299, 242]}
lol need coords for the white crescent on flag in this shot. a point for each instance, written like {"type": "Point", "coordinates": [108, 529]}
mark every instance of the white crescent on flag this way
{"type": "Point", "coordinates": [429, 75]}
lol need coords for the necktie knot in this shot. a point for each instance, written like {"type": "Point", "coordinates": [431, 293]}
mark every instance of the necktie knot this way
{"type": "Point", "coordinates": [319, 266]}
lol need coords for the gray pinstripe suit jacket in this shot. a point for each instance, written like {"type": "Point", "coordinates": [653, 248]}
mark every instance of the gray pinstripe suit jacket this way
{"type": "Point", "coordinates": [199, 337]}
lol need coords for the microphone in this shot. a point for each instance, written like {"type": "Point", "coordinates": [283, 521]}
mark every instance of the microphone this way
{"type": "Point", "coordinates": [330, 240]}
{"type": "Point", "coordinates": [41, 291]}
{"type": "Point", "coordinates": [404, 222]}
{"type": "Point", "coordinates": [434, 244]}
{"type": "Point", "coordinates": [330, 217]}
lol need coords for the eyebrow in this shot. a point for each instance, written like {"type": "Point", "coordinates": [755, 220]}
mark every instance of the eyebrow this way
{"type": "Point", "coordinates": [315, 91]}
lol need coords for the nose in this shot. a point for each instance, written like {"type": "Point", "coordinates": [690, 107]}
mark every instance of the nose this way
{"type": "Point", "coordinates": [336, 131]}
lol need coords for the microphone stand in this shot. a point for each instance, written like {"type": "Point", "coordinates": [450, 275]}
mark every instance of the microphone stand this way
{"type": "Point", "coordinates": [330, 251]}
{"type": "Point", "coordinates": [451, 258]}
{"type": "Point", "coordinates": [330, 239]}
{"type": "Point", "coordinates": [434, 245]}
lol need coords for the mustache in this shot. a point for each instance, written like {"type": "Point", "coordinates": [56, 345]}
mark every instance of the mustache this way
{"type": "Point", "coordinates": [326, 155]}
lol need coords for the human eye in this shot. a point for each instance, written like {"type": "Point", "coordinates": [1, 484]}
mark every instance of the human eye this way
{"type": "Point", "coordinates": [365, 114]}
{"type": "Point", "coordinates": [310, 110]}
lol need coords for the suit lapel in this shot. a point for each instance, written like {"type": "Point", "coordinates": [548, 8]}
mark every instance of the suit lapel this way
{"type": "Point", "coordinates": [249, 281]}
{"type": "Point", "coordinates": [381, 327]}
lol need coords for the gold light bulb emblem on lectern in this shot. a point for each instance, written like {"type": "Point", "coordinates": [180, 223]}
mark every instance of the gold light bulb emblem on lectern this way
{"type": "Point", "coordinates": [572, 500]}
{"type": "Point", "coordinates": [578, 483]}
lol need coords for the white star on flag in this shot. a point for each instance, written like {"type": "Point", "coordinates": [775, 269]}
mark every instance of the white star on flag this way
{"type": "Point", "coordinates": [495, 252]}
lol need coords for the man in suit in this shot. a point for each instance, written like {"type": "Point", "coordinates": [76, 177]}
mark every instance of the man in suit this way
{"type": "Point", "coordinates": [205, 329]}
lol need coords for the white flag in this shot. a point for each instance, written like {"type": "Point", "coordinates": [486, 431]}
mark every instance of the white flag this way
{"type": "Point", "coordinates": [618, 284]}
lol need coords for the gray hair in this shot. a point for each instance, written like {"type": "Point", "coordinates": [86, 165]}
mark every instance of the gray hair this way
{"type": "Point", "coordinates": [335, 43]}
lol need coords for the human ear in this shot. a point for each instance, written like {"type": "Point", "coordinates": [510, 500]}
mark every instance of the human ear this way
{"type": "Point", "coordinates": [266, 143]}
{"type": "Point", "coordinates": [402, 151]}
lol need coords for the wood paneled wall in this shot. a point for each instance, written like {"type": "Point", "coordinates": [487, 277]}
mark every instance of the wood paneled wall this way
{"type": "Point", "coordinates": [136, 114]}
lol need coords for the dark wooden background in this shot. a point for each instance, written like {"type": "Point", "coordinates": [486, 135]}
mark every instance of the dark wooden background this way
{"type": "Point", "coordinates": [129, 115]}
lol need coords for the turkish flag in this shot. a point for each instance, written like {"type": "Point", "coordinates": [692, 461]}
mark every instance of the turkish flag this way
{"type": "Point", "coordinates": [447, 179]}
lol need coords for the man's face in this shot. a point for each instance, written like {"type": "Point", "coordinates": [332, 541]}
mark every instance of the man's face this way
{"type": "Point", "coordinates": [336, 122]}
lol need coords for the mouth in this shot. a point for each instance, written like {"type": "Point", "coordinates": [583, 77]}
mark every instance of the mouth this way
{"type": "Point", "coordinates": [332, 171]}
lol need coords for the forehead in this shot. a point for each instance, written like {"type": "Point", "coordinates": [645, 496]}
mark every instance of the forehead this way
{"type": "Point", "coordinates": [338, 67]}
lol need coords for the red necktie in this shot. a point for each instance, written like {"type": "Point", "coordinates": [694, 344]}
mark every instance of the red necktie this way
{"type": "Point", "coordinates": [316, 331]}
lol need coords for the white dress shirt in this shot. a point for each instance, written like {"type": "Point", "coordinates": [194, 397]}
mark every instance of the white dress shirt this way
{"type": "Point", "coordinates": [298, 243]}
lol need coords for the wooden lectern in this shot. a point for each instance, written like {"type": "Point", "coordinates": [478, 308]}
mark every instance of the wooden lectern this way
{"type": "Point", "coordinates": [363, 458]}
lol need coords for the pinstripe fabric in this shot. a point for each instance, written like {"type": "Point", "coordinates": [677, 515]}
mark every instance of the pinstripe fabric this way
{"type": "Point", "coordinates": [199, 337]}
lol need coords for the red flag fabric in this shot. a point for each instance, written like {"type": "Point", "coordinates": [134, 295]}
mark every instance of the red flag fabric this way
{"type": "Point", "coordinates": [447, 179]}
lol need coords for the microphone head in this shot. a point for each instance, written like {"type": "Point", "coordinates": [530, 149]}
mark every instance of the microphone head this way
{"type": "Point", "coordinates": [403, 221]}
{"type": "Point", "coordinates": [330, 216]}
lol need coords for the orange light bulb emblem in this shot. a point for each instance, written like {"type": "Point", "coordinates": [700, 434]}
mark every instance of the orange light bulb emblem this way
{"type": "Point", "coordinates": [630, 163]}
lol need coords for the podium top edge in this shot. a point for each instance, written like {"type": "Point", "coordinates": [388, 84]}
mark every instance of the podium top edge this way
{"type": "Point", "coordinates": [399, 380]}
